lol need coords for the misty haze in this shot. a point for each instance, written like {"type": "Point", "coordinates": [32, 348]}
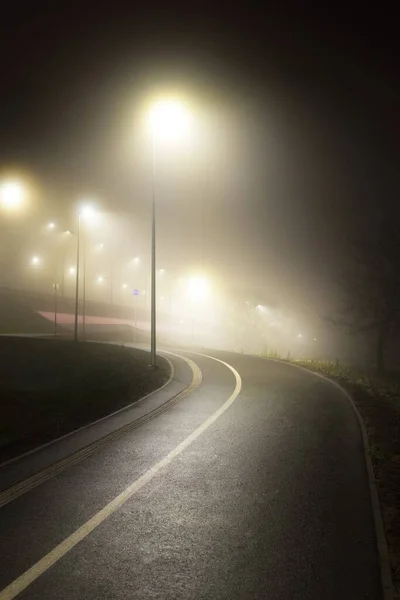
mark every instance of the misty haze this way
{"type": "Point", "coordinates": [199, 304]}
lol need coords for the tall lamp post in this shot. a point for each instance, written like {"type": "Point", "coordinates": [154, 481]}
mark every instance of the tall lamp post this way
{"type": "Point", "coordinates": [153, 298]}
{"type": "Point", "coordinates": [85, 212]}
{"type": "Point", "coordinates": [169, 119]}
{"type": "Point", "coordinates": [78, 236]}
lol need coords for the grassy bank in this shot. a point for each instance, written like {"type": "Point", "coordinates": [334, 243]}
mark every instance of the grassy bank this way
{"type": "Point", "coordinates": [378, 400]}
{"type": "Point", "coordinates": [49, 387]}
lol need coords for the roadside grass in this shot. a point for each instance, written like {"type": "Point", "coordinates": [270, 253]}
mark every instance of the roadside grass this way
{"type": "Point", "coordinates": [50, 387]}
{"type": "Point", "coordinates": [378, 400]}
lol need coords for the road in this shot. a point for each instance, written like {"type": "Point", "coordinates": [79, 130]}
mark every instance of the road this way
{"type": "Point", "coordinates": [268, 500]}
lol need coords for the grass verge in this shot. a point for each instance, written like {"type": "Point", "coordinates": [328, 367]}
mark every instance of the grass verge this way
{"type": "Point", "coordinates": [378, 400]}
{"type": "Point", "coordinates": [50, 387]}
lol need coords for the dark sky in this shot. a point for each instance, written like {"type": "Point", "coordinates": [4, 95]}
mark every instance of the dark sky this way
{"type": "Point", "coordinates": [314, 98]}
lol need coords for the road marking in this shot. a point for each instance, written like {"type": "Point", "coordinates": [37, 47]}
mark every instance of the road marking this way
{"type": "Point", "coordinates": [78, 429]}
{"type": "Point", "coordinates": [51, 471]}
{"type": "Point", "coordinates": [24, 580]}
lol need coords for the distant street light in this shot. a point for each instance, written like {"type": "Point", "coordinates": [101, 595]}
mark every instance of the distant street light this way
{"type": "Point", "coordinates": [51, 225]}
{"type": "Point", "coordinates": [12, 195]}
{"type": "Point", "coordinates": [35, 261]}
{"type": "Point", "coordinates": [168, 119]}
{"type": "Point", "coordinates": [72, 270]}
{"type": "Point", "coordinates": [198, 288]}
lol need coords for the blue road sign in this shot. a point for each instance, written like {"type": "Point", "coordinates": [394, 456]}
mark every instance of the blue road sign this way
{"type": "Point", "coordinates": [136, 292]}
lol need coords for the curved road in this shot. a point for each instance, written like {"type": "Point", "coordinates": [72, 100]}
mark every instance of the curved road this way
{"type": "Point", "coordinates": [269, 501]}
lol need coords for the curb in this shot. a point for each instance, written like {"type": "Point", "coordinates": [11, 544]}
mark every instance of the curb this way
{"type": "Point", "coordinates": [388, 591]}
{"type": "Point", "coordinates": [74, 431]}
{"type": "Point", "coordinates": [18, 489]}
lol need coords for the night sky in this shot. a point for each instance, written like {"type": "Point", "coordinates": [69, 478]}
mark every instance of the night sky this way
{"type": "Point", "coordinates": [308, 109]}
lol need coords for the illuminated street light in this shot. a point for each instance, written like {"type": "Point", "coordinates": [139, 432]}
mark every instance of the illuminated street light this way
{"type": "Point", "coordinates": [87, 211]}
{"type": "Point", "coordinates": [12, 195]}
{"type": "Point", "coordinates": [300, 335]}
{"type": "Point", "coordinates": [124, 286]}
{"type": "Point", "coordinates": [315, 339]}
{"type": "Point", "coordinates": [198, 288]}
{"type": "Point", "coordinates": [100, 279]}
{"type": "Point", "coordinates": [168, 119]}
{"type": "Point", "coordinates": [51, 225]}
{"type": "Point", "coordinates": [72, 270]}
{"type": "Point", "coordinates": [35, 261]}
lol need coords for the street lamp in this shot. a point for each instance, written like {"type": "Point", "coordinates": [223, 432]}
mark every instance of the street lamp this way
{"type": "Point", "coordinates": [168, 120]}
{"type": "Point", "coordinates": [87, 212]}
{"type": "Point", "coordinates": [198, 288]}
{"type": "Point", "coordinates": [12, 195]}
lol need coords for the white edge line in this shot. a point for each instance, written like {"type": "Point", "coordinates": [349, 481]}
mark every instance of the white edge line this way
{"type": "Point", "coordinates": [116, 412]}
{"type": "Point", "coordinates": [24, 580]}
{"type": "Point", "coordinates": [384, 562]}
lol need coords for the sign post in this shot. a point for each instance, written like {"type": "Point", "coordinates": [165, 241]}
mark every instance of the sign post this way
{"type": "Point", "coordinates": [56, 287]}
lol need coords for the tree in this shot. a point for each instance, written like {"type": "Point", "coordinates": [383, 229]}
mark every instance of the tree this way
{"type": "Point", "coordinates": [371, 287]}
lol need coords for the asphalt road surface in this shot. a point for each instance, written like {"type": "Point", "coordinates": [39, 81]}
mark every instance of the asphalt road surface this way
{"type": "Point", "coordinates": [269, 500]}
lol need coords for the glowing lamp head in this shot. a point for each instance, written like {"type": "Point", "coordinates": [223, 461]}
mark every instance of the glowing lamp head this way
{"type": "Point", "coordinates": [35, 261]}
{"type": "Point", "coordinates": [198, 288]}
{"type": "Point", "coordinates": [87, 211]}
{"type": "Point", "coordinates": [12, 195]}
{"type": "Point", "coordinates": [169, 119]}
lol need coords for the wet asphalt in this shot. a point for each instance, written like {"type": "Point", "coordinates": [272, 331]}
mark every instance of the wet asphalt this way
{"type": "Point", "coordinates": [271, 501]}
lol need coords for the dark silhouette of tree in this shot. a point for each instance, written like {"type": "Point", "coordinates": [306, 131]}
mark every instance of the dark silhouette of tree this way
{"type": "Point", "coordinates": [371, 287]}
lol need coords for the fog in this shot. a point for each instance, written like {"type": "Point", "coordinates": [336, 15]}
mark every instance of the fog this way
{"type": "Point", "coordinates": [277, 173]}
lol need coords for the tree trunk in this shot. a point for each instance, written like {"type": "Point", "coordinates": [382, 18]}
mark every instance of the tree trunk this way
{"type": "Point", "coordinates": [381, 347]}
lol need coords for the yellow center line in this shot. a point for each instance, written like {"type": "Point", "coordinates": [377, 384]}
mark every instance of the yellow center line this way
{"type": "Point", "coordinates": [24, 580]}
{"type": "Point", "coordinates": [51, 471]}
